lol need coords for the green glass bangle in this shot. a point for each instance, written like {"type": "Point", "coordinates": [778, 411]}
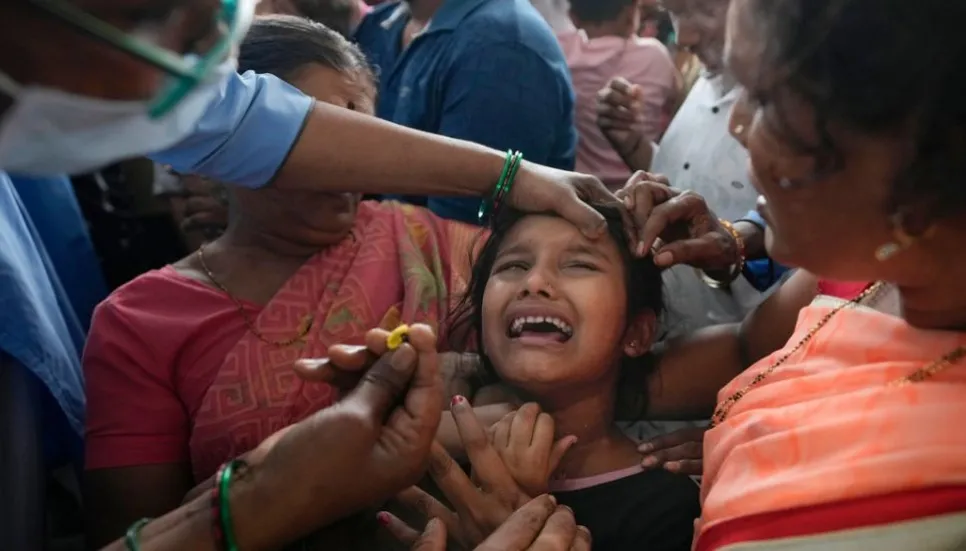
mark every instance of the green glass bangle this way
{"type": "Point", "coordinates": [487, 204]}
{"type": "Point", "coordinates": [133, 535]}
{"type": "Point", "coordinates": [227, 528]}
{"type": "Point", "coordinates": [511, 177]}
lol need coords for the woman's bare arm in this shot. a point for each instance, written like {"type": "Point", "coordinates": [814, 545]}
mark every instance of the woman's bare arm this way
{"type": "Point", "coordinates": [691, 370]}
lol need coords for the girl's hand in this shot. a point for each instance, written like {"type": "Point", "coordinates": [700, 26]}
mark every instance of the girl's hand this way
{"type": "Point", "coordinates": [524, 439]}
{"type": "Point", "coordinates": [478, 508]}
{"type": "Point", "coordinates": [540, 525]}
{"type": "Point", "coordinates": [681, 451]}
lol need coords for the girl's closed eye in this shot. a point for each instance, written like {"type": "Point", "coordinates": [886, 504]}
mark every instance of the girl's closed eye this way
{"type": "Point", "coordinates": [511, 265]}
{"type": "Point", "coordinates": [582, 265]}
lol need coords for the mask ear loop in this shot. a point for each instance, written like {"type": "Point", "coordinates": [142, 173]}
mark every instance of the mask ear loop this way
{"type": "Point", "coordinates": [901, 238]}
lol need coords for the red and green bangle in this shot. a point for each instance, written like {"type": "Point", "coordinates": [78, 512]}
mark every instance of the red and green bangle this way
{"type": "Point", "coordinates": [222, 526]}
{"type": "Point", "coordinates": [511, 165]}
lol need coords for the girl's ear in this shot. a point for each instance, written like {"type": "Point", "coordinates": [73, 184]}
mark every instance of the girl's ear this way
{"type": "Point", "coordinates": [640, 334]}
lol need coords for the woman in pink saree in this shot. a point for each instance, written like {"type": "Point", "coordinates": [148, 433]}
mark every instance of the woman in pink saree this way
{"type": "Point", "coordinates": [191, 365]}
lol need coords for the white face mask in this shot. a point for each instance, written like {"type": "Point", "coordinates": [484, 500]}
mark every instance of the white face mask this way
{"type": "Point", "coordinates": [49, 132]}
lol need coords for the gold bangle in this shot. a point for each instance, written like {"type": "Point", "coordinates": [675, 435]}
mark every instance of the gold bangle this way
{"type": "Point", "coordinates": [738, 267]}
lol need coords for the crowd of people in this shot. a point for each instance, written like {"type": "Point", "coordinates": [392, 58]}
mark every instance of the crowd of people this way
{"type": "Point", "coordinates": [482, 275]}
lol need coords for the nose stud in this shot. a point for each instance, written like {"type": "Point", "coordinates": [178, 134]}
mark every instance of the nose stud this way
{"type": "Point", "coordinates": [739, 130]}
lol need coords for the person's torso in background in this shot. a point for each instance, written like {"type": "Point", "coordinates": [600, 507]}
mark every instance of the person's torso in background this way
{"type": "Point", "coordinates": [413, 86]}
{"type": "Point", "coordinates": [699, 154]}
{"type": "Point", "coordinates": [644, 62]}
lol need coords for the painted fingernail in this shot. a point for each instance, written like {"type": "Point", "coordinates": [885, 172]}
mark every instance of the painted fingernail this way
{"type": "Point", "coordinates": [354, 348]}
{"type": "Point", "coordinates": [383, 518]}
{"type": "Point", "coordinates": [457, 401]}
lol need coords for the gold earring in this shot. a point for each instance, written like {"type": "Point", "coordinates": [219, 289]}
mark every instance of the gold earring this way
{"type": "Point", "coordinates": [902, 240]}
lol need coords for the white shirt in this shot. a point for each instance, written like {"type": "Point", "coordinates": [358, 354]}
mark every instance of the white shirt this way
{"type": "Point", "coordinates": [699, 154]}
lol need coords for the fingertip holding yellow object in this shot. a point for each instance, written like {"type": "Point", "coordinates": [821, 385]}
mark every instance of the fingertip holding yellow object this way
{"type": "Point", "coordinates": [398, 336]}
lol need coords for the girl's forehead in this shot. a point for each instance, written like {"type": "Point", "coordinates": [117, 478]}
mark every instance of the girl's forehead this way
{"type": "Point", "coordinates": [539, 233]}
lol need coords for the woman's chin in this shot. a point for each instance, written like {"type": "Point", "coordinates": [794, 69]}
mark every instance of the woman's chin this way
{"type": "Point", "coordinates": [778, 250]}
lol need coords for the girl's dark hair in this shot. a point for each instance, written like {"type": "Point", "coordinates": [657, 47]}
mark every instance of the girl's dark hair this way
{"type": "Point", "coordinates": [641, 277]}
{"type": "Point", "coordinates": [878, 67]}
{"type": "Point", "coordinates": [282, 45]}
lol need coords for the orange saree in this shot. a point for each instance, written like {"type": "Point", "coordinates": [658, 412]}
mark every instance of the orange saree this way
{"type": "Point", "coordinates": [401, 264]}
{"type": "Point", "coordinates": [826, 454]}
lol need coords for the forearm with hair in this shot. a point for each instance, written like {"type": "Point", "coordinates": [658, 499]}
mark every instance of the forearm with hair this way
{"type": "Point", "coordinates": [189, 527]}
{"type": "Point", "coordinates": [344, 151]}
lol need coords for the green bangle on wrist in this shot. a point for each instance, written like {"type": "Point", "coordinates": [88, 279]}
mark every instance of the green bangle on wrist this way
{"type": "Point", "coordinates": [511, 165]}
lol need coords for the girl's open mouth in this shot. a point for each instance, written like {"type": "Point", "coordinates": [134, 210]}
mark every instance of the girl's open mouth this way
{"type": "Point", "coordinates": [540, 329]}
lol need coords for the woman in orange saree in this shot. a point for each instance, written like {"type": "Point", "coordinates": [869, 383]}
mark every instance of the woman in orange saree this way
{"type": "Point", "coordinates": [850, 437]}
{"type": "Point", "coordinates": [191, 365]}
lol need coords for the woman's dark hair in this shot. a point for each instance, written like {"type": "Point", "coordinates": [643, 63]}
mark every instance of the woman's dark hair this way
{"type": "Point", "coordinates": [642, 280]}
{"type": "Point", "coordinates": [598, 11]}
{"type": "Point", "coordinates": [282, 45]}
{"type": "Point", "coordinates": [878, 67]}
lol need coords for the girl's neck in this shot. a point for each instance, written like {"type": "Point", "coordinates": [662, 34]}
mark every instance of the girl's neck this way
{"type": "Point", "coordinates": [600, 447]}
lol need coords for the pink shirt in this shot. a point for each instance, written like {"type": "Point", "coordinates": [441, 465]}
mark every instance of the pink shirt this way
{"type": "Point", "coordinates": [593, 62]}
{"type": "Point", "coordinates": [154, 349]}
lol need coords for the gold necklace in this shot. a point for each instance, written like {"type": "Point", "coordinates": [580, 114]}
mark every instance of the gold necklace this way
{"type": "Point", "coordinates": [304, 326]}
{"type": "Point", "coordinates": [870, 292]}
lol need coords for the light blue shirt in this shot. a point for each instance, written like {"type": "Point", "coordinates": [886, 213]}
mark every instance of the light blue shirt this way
{"type": "Point", "coordinates": [246, 134]}
{"type": "Point", "coordinates": [38, 327]}
{"type": "Point", "coordinates": [243, 138]}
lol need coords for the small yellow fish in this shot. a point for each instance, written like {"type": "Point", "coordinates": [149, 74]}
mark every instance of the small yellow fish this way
{"type": "Point", "coordinates": [398, 336]}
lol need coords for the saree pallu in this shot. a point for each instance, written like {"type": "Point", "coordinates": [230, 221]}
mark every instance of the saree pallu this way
{"type": "Point", "coordinates": [826, 454]}
{"type": "Point", "coordinates": [401, 264]}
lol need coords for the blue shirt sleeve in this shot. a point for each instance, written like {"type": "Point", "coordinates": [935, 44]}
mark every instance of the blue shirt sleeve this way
{"type": "Point", "coordinates": [505, 96]}
{"type": "Point", "coordinates": [246, 134]}
{"type": "Point", "coordinates": [755, 219]}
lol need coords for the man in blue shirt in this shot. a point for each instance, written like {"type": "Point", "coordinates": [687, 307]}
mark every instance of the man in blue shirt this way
{"type": "Point", "coordinates": [486, 71]}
